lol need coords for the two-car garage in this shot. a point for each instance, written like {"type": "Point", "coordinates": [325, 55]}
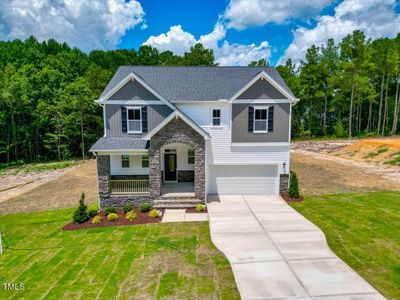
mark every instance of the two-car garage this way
{"type": "Point", "coordinates": [243, 179]}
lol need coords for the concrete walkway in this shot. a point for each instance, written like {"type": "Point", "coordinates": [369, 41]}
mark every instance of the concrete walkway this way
{"type": "Point", "coordinates": [276, 253]}
{"type": "Point", "coordinates": [180, 215]}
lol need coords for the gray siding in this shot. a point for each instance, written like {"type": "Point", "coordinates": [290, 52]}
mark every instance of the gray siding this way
{"type": "Point", "coordinates": [155, 115]}
{"type": "Point", "coordinates": [262, 89]}
{"type": "Point", "coordinates": [240, 132]}
{"type": "Point", "coordinates": [133, 90]}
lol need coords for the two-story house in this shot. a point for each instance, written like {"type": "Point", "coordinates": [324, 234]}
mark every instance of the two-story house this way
{"type": "Point", "coordinates": [193, 132]}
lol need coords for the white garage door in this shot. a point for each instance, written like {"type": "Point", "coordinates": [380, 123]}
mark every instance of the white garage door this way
{"type": "Point", "coordinates": [231, 180]}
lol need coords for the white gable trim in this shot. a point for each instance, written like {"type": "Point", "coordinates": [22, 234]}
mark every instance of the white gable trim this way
{"type": "Point", "coordinates": [177, 114]}
{"type": "Point", "coordinates": [264, 75]}
{"type": "Point", "coordinates": [129, 77]}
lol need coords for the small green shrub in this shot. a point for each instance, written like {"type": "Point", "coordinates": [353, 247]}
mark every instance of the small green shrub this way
{"type": "Point", "coordinates": [145, 207]}
{"type": "Point", "coordinates": [154, 213]}
{"type": "Point", "coordinates": [130, 216]}
{"type": "Point", "coordinates": [81, 215]}
{"type": "Point", "coordinates": [112, 217]}
{"type": "Point", "coordinates": [382, 150]}
{"type": "Point", "coordinates": [339, 130]}
{"type": "Point", "coordinates": [128, 208]}
{"type": "Point", "coordinates": [109, 210]}
{"type": "Point", "coordinates": [96, 220]}
{"type": "Point", "coordinates": [92, 213]}
{"type": "Point", "coordinates": [294, 186]}
{"type": "Point", "coordinates": [200, 207]}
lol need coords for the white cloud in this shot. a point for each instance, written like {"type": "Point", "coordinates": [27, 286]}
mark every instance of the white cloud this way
{"type": "Point", "coordinates": [179, 41]}
{"type": "Point", "coordinates": [238, 54]}
{"type": "Point", "coordinates": [377, 18]}
{"type": "Point", "coordinates": [241, 14]}
{"type": "Point", "coordinates": [84, 24]}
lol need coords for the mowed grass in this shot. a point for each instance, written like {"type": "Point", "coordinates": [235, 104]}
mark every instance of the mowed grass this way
{"type": "Point", "coordinates": [363, 230]}
{"type": "Point", "coordinates": [155, 261]}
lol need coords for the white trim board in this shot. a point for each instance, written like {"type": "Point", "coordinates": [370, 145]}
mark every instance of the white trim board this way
{"type": "Point", "coordinates": [177, 114]}
{"type": "Point", "coordinates": [263, 75]}
{"type": "Point", "coordinates": [121, 152]}
{"type": "Point", "coordinates": [129, 77]}
{"type": "Point", "coordinates": [272, 144]}
{"type": "Point", "coordinates": [261, 101]}
{"type": "Point", "coordinates": [135, 102]}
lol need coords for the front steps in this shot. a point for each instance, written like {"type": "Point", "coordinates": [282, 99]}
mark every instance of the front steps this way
{"type": "Point", "coordinates": [176, 202]}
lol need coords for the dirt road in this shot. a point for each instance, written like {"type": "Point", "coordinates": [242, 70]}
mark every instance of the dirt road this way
{"type": "Point", "coordinates": [61, 191]}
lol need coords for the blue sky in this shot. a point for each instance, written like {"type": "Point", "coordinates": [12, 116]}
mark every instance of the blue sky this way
{"type": "Point", "coordinates": [238, 31]}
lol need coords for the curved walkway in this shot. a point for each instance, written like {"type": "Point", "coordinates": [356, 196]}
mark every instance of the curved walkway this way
{"type": "Point", "coordinates": [276, 253]}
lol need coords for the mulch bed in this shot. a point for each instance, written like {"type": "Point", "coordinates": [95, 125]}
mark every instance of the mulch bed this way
{"type": "Point", "coordinates": [194, 211]}
{"type": "Point", "coordinates": [142, 218]}
{"type": "Point", "coordinates": [288, 199]}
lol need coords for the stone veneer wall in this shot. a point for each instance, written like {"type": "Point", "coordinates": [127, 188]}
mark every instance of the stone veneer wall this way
{"type": "Point", "coordinates": [177, 131]}
{"type": "Point", "coordinates": [105, 198]}
{"type": "Point", "coordinates": [283, 183]}
{"type": "Point", "coordinates": [185, 176]}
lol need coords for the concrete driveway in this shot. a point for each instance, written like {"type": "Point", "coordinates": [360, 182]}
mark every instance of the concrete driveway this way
{"type": "Point", "coordinates": [276, 253]}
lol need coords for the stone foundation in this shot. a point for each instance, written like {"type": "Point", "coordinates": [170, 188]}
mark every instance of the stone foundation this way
{"type": "Point", "coordinates": [122, 200]}
{"type": "Point", "coordinates": [283, 183]}
{"type": "Point", "coordinates": [186, 176]}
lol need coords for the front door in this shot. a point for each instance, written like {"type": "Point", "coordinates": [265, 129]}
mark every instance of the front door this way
{"type": "Point", "coordinates": [170, 166]}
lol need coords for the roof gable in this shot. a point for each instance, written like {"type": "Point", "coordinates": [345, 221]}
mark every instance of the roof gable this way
{"type": "Point", "coordinates": [262, 89]}
{"type": "Point", "coordinates": [182, 84]}
{"type": "Point", "coordinates": [133, 90]}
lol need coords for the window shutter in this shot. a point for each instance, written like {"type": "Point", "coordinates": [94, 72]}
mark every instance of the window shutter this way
{"type": "Point", "coordinates": [271, 119]}
{"type": "Point", "coordinates": [144, 119]}
{"type": "Point", "coordinates": [251, 118]}
{"type": "Point", "coordinates": [124, 124]}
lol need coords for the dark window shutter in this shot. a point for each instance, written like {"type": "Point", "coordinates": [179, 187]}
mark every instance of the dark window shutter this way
{"type": "Point", "coordinates": [271, 119]}
{"type": "Point", "coordinates": [124, 124]}
{"type": "Point", "coordinates": [144, 119]}
{"type": "Point", "coordinates": [251, 118]}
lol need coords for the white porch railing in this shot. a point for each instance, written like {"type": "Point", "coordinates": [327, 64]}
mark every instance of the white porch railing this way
{"type": "Point", "coordinates": [134, 186]}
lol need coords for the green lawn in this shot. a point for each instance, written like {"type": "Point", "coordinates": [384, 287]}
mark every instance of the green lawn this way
{"type": "Point", "coordinates": [363, 230]}
{"type": "Point", "coordinates": [172, 260]}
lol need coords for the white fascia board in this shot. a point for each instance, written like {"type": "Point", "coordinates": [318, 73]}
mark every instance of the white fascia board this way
{"type": "Point", "coordinates": [260, 75]}
{"type": "Point", "coordinates": [177, 114]}
{"type": "Point", "coordinates": [132, 76]}
{"type": "Point", "coordinates": [135, 102]}
{"type": "Point", "coordinates": [273, 144]}
{"type": "Point", "coordinates": [262, 101]}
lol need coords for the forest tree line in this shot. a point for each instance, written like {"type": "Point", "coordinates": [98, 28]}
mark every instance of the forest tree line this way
{"type": "Point", "coordinates": [47, 91]}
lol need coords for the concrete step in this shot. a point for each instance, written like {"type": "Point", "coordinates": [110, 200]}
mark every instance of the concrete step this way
{"type": "Point", "coordinates": [177, 196]}
{"type": "Point", "coordinates": [175, 205]}
{"type": "Point", "coordinates": [180, 200]}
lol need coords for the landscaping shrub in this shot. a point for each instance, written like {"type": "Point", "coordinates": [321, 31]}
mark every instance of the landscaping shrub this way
{"type": "Point", "coordinates": [81, 215]}
{"type": "Point", "coordinates": [154, 213]}
{"type": "Point", "coordinates": [145, 207]}
{"type": "Point", "coordinates": [109, 210]}
{"type": "Point", "coordinates": [128, 208]}
{"type": "Point", "coordinates": [294, 186]}
{"type": "Point", "coordinates": [130, 216]}
{"type": "Point", "coordinates": [96, 220]}
{"type": "Point", "coordinates": [200, 207]}
{"type": "Point", "coordinates": [112, 217]}
{"type": "Point", "coordinates": [92, 213]}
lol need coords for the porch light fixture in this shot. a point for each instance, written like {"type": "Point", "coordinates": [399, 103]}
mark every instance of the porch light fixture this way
{"type": "Point", "coordinates": [284, 168]}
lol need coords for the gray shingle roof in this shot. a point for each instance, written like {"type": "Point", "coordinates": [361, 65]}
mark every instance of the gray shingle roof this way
{"type": "Point", "coordinates": [120, 144]}
{"type": "Point", "coordinates": [194, 83]}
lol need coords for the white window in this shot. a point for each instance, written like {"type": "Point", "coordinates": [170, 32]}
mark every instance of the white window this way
{"type": "Point", "coordinates": [190, 156]}
{"type": "Point", "coordinates": [145, 161]}
{"type": "Point", "coordinates": [125, 161]}
{"type": "Point", "coordinates": [134, 119]}
{"type": "Point", "coordinates": [260, 119]}
{"type": "Point", "coordinates": [216, 117]}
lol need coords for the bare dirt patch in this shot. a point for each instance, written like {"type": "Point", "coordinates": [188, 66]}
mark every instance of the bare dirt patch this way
{"type": "Point", "coordinates": [58, 189]}
{"type": "Point", "coordinates": [321, 173]}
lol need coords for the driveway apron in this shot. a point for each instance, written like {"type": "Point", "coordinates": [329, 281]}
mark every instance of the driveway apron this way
{"type": "Point", "coordinates": [276, 253]}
